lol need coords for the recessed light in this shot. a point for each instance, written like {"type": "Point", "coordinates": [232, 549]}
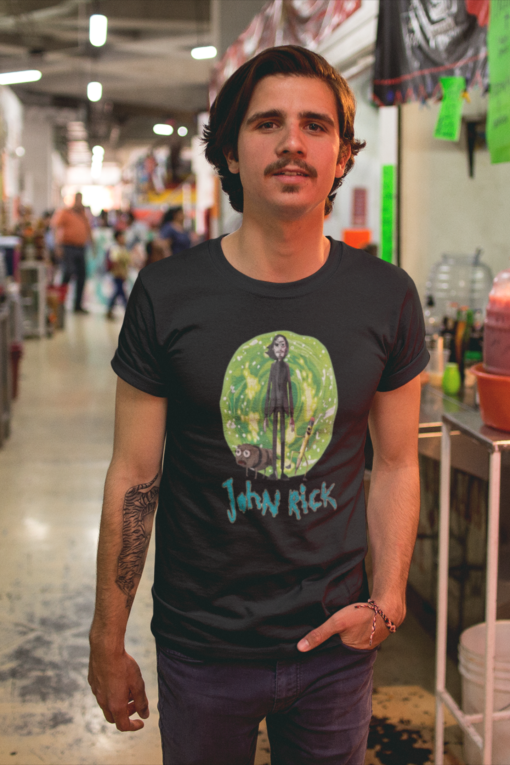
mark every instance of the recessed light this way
{"type": "Point", "coordinates": [13, 78]}
{"type": "Point", "coordinates": [163, 129]}
{"type": "Point", "coordinates": [94, 91]}
{"type": "Point", "coordinates": [204, 51]}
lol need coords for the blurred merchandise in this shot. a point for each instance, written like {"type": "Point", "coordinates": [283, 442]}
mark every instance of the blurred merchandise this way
{"type": "Point", "coordinates": [455, 279]}
{"type": "Point", "coordinates": [10, 252]}
{"type": "Point", "coordinates": [55, 298]}
{"type": "Point", "coordinates": [16, 333]}
{"type": "Point", "coordinates": [496, 346]}
{"type": "Point", "coordinates": [5, 373]}
{"type": "Point", "coordinates": [451, 379]}
{"type": "Point", "coordinates": [439, 356]}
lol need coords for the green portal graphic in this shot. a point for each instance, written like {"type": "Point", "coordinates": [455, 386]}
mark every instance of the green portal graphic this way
{"type": "Point", "coordinates": [278, 404]}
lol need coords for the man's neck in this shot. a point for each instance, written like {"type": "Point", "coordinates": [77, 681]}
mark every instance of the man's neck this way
{"type": "Point", "coordinates": [278, 251]}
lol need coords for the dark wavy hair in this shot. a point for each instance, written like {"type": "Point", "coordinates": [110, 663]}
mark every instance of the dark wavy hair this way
{"type": "Point", "coordinates": [231, 105]}
{"type": "Point", "coordinates": [270, 348]}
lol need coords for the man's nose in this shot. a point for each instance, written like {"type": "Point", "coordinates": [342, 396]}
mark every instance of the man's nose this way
{"type": "Point", "coordinates": [291, 141]}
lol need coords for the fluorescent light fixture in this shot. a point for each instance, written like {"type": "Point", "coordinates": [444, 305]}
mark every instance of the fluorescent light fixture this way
{"type": "Point", "coordinates": [98, 27]}
{"type": "Point", "coordinates": [163, 129]}
{"type": "Point", "coordinates": [94, 91]}
{"type": "Point", "coordinates": [204, 51]}
{"type": "Point", "coordinates": [13, 78]}
{"type": "Point", "coordinates": [182, 131]}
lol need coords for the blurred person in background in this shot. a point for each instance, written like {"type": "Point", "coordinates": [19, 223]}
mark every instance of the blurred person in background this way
{"type": "Point", "coordinates": [137, 235]}
{"type": "Point", "coordinates": [119, 261]}
{"type": "Point", "coordinates": [172, 229]}
{"type": "Point", "coordinates": [72, 234]}
{"type": "Point", "coordinates": [262, 606]}
{"type": "Point", "coordinates": [103, 237]}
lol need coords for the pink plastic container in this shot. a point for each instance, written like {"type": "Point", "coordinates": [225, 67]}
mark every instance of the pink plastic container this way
{"type": "Point", "coordinates": [496, 342]}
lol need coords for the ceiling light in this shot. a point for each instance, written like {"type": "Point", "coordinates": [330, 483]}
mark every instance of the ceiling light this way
{"type": "Point", "coordinates": [204, 51]}
{"type": "Point", "coordinates": [182, 131]}
{"type": "Point", "coordinates": [94, 91]}
{"type": "Point", "coordinates": [13, 78]}
{"type": "Point", "coordinates": [20, 151]}
{"type": "Point", "coordinates": [98, 150]}
{"type": "Point", "coordinates": [98, 26]}
{"type": "Point", "coordinates": [163, 129]}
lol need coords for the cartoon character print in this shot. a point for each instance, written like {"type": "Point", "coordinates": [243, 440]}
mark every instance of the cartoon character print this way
{"type": "Point", "coordinates": [254, 458]}
{"type": "Point", "coordinates": [278, 405]}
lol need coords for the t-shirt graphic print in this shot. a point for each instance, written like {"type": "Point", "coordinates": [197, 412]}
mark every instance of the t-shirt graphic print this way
{"type": "Point", "coordinates": [261, 524]}
{"type": "Point", "coordinates": [278, 407]}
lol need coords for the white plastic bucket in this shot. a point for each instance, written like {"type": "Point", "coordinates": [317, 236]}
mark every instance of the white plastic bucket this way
{"type": "Point", "coordinates": [472, 669]}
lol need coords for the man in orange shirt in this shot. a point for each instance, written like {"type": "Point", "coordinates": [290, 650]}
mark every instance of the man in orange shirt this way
{"type": "Point", "coordinates": [72, 233]}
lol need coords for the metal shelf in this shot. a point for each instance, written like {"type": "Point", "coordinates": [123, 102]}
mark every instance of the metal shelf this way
{"type": "Point", "coordinates": [469, 423]}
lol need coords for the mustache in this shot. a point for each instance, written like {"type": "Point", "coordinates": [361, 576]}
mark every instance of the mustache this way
{"type": "Point", "coordinates": [280, 164]}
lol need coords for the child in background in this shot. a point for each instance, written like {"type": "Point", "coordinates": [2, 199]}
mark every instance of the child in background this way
{"type": "Point", "coordinates": [120, 260]}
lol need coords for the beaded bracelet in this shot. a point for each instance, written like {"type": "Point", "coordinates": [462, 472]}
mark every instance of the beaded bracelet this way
{"type": "Point", "coordinates": [375, 608]}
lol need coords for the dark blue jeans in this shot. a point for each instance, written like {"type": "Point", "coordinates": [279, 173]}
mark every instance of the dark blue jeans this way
{"type": "Point", "coordinates": [119, 292]}
{"type": "Point", "coordinates": [317, 708]}
{"type": "Point", "coordinates": [74, 265]}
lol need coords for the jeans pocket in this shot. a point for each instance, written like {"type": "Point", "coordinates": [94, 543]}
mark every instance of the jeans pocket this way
{"type": "Point", "coordinates": [171, 653]}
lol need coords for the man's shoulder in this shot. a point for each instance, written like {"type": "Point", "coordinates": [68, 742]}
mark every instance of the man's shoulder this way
{"type": "Point", "coordinates": [183, 266]}
{"type": "Point", "coordinates": [372, 269]}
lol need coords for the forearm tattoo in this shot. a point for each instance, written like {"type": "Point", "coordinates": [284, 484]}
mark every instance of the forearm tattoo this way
{"type": "Point", "coordinates": [140, 505]}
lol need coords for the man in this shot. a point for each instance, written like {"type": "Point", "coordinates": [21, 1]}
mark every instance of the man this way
{"type": "Point", "coordinates": [72, 233]}
{"type": "Point", "coordinates": [279, 399]}
{"type": "Point", "coordinates": [260, 598]}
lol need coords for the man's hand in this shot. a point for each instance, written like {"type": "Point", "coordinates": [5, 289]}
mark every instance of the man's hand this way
{"type": "Point", "coordinates": [354, 625]}
{"type": "Point", "coordinates": [118, 686]}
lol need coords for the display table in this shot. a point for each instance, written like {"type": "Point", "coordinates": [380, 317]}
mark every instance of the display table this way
{"type": "Point", "coordinates": [468, 423]}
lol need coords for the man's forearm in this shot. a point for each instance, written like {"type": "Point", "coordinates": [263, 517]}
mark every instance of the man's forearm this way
{"type": "Point", "coordinates": [393, 514]}
{"type": "Point", "coordinates": [126, 525]}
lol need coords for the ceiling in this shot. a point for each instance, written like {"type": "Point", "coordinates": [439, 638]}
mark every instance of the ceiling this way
{"type": "Point", "coordinates": [146, 68]}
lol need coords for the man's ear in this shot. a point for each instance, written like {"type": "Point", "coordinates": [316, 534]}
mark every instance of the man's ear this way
{"type": "Point", "coordinates": [232, 160]}
{"type": "Point", "coordinates": [343, 158]}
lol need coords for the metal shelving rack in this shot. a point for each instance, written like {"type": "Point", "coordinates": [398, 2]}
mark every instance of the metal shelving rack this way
{"type": "Point", "coordinates": [469, 424]}
{"type": "Point", "coordinates": [33, 297]}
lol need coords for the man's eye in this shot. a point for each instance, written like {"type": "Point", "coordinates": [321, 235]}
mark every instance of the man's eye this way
{"type": "Point", "coordinates": [267, 124]}
{"type": "Point", "coordinates": [315, 127]}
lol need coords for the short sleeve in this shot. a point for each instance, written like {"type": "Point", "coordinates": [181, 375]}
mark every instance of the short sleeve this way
{"type": "Point", "coordinates": [408, 356]}
{"type": "Point", "coordinates": [137, 359]}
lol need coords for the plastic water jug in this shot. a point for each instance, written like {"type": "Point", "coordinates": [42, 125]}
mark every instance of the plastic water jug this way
{"type": "Point", "coordinates": [460, 279]}
{"type": "Point", "coordinates": [496, 344]}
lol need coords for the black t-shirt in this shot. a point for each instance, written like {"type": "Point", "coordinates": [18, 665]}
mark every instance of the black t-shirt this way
{"type": "Point", "coordinates": [261, 527]}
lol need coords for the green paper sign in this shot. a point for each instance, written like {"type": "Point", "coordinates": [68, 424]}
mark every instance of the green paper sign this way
{"type": "Point", "coordinates": [498, 116]}
{"type": "Point", "coordinates": [450, 114]}
{"type": "Point", "coordinates": [388, 212]}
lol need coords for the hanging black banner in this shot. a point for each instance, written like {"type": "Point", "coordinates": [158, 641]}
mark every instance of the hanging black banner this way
{"type": "Point", "coordinates": [419, 41]}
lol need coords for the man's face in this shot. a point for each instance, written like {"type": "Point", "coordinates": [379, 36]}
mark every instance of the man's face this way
{"type": "Point", "coordinates": [280, 348]}
{"type": "Point", "coordinates": [289, 146]}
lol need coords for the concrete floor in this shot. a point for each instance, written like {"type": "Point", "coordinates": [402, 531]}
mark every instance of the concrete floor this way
{"type": "Point", "coordinates": [52, 471]}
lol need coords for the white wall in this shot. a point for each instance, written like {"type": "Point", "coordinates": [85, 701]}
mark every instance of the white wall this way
{"type": "Point", "coordinates": [366, 172]}
{"type": "Point", "coordinates": [37, 164]}
{"type": "Point", "coordinates": [443, 209]}
{"type": "Point", "coordinates": [11, 121]}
